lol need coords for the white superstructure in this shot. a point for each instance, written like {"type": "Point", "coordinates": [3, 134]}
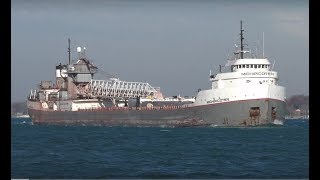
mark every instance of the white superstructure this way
{"type": "Point", "coordinates": [248, 78]}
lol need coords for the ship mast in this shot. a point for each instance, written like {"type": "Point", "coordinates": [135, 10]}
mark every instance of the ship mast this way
{"type": "Point", "coordinates": [241, 40]}
{"type": "Point", "coordinates": [69, 50]}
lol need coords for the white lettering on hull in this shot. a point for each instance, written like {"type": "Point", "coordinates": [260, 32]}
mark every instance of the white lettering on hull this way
{"type": "Point", "coordinates": [218, 100]}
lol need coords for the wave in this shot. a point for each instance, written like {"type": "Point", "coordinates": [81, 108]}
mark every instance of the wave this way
{"type": "Point", "coordinates": [278, 122]}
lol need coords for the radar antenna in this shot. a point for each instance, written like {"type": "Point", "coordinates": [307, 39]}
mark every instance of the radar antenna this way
{"type": "Point", "coordinates": [79, 51]}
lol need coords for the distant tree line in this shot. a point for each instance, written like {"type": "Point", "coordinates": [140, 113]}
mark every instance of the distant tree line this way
{"type": "Point", "coordinates": [298, 102]}
{"type": "Point", "coordinates": [19, 107]}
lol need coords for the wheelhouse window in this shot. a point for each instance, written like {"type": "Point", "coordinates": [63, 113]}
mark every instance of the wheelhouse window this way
{"type": "Point", "coordinates": [255, 66]}
{"type": "Point", "coordinates": [243, 66]}
{"type": "Point", "coordinates": [247, 65]}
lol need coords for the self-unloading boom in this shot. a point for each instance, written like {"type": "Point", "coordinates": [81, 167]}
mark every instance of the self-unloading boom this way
{"type": "Point", "coordinates": [119, 89]}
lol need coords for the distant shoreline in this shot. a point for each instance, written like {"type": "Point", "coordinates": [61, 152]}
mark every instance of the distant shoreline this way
{"type": "Point", "coordinates": [297, 117]}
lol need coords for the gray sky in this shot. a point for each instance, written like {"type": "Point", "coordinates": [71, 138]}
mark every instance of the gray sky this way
{"type": "Point", "coordinates": [169, 44]}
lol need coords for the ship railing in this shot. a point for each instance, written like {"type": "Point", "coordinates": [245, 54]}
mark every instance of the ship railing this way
{"type": "Point", "coordinates": [104, 88]}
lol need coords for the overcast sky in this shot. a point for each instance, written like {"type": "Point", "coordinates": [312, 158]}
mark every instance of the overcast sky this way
{"type": "Point", "coordinates": [169, 44]}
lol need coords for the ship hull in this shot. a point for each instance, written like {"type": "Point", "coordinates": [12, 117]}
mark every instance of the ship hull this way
{"type": "Point", "coordinates": [237, 113]}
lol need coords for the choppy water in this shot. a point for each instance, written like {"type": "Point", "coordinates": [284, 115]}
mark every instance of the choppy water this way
{"type": "Point", "coordinates": [127, 152]}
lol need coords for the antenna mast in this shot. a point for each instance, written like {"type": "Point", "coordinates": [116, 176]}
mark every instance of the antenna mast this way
{"type": "Point", "coordinates": [69, 50]}
{"type": "Point", "coordinates": [262, 44]}
{"type": "Point", "coordinates": [241, 40]}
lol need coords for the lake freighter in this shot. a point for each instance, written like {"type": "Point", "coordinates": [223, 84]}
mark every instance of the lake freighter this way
{"type": "Point", "coordinates": [247, 94]}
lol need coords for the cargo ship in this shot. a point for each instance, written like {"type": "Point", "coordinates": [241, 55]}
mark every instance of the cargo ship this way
{"type": "Point", "coordinates": [244, 92]}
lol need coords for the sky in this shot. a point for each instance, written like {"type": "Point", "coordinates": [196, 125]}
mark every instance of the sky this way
{"type": "Point", "coordinates": [168, 44]}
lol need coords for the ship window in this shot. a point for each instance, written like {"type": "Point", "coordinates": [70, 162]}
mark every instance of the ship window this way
{"type": "Point", "coordinates": [251, 65]}
{"type": "Point", "coordinates": [255, 66]}
{"type": "Point", "coordinates": [239, 66]}
{"type": "Point", "coordinates": [234, 68]}
{"type": "Point", "coordinates": [259, 66]}
{"type": "Point", "coordinates": [243, 66]}
{"type": "Point", "coordinates": [262, 66]}
{"type": "Point", "coordinates": [247, 65]}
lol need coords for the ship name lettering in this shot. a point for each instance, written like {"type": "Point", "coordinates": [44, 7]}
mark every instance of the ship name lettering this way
{"type": "Point", "coordinates": [218, 100]}
{"type": "Point", "coordinates": [257, 73]}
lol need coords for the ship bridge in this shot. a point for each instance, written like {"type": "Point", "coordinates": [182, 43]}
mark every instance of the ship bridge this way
{"type": "Point", "coordinates": [114, 88]}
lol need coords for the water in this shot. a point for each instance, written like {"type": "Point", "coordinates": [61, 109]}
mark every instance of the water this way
{"type": "Point", "coordinates": [126, 152]}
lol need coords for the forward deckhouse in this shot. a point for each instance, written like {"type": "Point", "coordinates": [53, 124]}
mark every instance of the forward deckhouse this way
{"type": "Point", "coordinates": [245, 72]}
